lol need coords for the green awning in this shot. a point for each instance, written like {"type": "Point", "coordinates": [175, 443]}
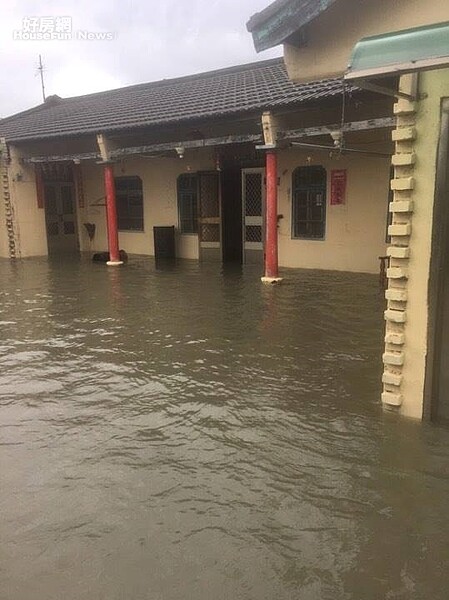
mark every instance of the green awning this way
{"type": "Point", "coordinates": [400, 52]}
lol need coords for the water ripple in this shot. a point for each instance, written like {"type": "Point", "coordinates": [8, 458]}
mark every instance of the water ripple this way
{"type": "Point", "coordinates": [190, 433]}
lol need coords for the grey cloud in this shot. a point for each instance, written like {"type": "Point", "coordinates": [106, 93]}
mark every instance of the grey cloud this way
{"type": "Point", "coordinates": [154, 40]}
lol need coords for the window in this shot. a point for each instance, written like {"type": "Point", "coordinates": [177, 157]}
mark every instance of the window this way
{"type": "Point", "coordinates": [129, 198]}
{"type": "Point", "coordinates": [188, 203]}
{"type": "Point", "coordinates": [309, 203]}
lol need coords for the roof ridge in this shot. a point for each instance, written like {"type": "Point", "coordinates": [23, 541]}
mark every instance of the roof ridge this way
{"type": "Point", "coordinates": [157, 83]}
{"type": "Point", "coordinates": [236, 90]}
{"type": "Point", "coordinates": [191, 77]}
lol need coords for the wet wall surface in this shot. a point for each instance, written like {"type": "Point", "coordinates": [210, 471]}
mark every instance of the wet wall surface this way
{"type": "Point", "coordinates": [187, 433]}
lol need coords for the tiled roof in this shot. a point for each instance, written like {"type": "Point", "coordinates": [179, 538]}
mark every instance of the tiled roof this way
{"type": "Point", "coordinates": [257, 86]}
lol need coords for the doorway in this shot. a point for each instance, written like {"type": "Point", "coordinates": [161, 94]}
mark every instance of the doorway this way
{"type": "Point", "coordinates": [231, 193]}
{"type": "Point", "coordinates": [231, 205]}
{"type": "Point", "coordinates": [209, 216]}
{"type": "Point", "coordinates": [60, 217]}
{"type": "Point", "coordinates": [243, 206]}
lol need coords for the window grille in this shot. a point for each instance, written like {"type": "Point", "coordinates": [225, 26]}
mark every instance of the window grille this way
{"type": "Point", "coordinates": [309, 203]}
{"type": "Point", "coordinates": [129, 198]}
{"type": "Point", "coordinates": [188, 203]}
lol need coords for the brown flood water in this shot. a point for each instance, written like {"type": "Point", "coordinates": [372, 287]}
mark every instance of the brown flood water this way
{"type": "Point", "coordinates": [186, 433]}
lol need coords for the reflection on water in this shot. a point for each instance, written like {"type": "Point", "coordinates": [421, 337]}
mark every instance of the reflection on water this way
{"type": "Point", "coordinates": [178, 433]}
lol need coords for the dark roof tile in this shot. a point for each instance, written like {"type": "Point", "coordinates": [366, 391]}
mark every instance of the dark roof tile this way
{"type": "Point", "coordinates": [257, 86]}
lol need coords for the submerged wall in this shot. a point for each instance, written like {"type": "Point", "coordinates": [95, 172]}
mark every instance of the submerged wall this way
{"type": "Point", "coordinates": [27, 221]}
{"type": "Point", "coordinates": [407, 316]}
{"type": "Point", "coordinates": [4, 196]}
{"type": "Point", "coordinates": [159, 181]}
{"type": "Point", "coordinates": [355, 231]}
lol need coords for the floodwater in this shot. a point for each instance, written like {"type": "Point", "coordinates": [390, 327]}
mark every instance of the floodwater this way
{"type": "Point", "coordinates": [185, 433]}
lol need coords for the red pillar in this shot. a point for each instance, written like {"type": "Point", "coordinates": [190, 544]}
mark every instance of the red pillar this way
{"type": "Point", "coordinates": [271, 236]}
{"type": "Point", "coordinates": [111, 216]}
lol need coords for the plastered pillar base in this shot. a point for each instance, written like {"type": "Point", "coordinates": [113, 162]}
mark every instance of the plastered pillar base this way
{"type": "Point", "coordinates": [271, 280]}
{"type": "Point", "coordinates": [114, 263]}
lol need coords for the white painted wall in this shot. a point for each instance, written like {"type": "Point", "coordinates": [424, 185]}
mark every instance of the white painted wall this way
{"type": "Point", "coordinates": [435, 84]}
{"type": "Point", "coordinates": [355, 231]}
{"type": "Point", "coordinates": [159, 181]}
{"type": "Point", "coordinates": [30, 220]}
{"type": "Point", "coordinates": [4, 252]}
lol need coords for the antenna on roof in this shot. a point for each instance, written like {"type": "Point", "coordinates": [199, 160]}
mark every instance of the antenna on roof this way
{"type": "Point", "coordinates": [40, 68]}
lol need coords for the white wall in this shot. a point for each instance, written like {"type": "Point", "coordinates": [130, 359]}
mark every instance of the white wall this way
{"type": "Point", "coordinates": [355, 231]}
{"type": "Point", "coordinates": [4, 251]}
{"type": "Point", "coordinates": [159, 181]}
{"type": "Point", "coordinates": [435, 84]}
{"type": "Point", "coordinates": [30, 220]}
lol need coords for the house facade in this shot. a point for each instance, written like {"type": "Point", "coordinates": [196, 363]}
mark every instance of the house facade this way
{"type": "Point", "coordinates": [399, 49]}
{"type": "Point", "coordinates": [190, 154]}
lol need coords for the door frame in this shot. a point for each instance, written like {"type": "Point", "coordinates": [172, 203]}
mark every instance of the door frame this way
{"type": "Point", "coordinates": [210, 251]}
{"type": "Point", "coordinates": [253, 246]}
{"type": "Point", "coordinates": [439, 260]}
{"type": "Point", "coordinates": [58, 184]}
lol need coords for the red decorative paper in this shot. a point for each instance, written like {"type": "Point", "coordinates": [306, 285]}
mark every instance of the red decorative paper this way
{"type": "Point", "coordinates": [338, 186]}
{"type": "Point", "coordinates": [79, 184]}
{"type": "Point", "coordinates": [39, 186]}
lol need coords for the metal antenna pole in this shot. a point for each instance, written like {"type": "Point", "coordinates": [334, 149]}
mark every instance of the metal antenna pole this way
{"type": "Point", "coordinates": [41, 71]}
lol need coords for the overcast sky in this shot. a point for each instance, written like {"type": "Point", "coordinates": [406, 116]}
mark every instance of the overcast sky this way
{"type": "Point", "coordinates": [152, 39]}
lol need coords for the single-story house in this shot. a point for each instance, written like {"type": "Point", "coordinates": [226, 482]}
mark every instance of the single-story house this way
{"type": "Point", "coordinates": [100, 172]}
{"type": "Point", "coordinates": [367, 43]}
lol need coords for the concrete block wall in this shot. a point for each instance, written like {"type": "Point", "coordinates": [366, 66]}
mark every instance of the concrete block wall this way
{"type": "Point", "coordinates": [9, 238]}
{"type": "Point", "coordinates": [407, 316]}
{"type": "Point", "coordinates": [400, 231]}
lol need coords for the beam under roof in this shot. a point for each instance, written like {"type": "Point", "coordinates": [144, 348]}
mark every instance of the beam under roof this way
{"type": "Point", "coordinates": [255, 138]}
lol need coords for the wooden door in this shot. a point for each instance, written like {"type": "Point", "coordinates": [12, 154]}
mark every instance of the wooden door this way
{"type": "Point", "coordinates": [60, 216]}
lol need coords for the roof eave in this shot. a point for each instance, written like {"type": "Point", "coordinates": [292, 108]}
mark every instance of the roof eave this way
{"type": "Point", "coordinates": [282, 19]}
{"type": "Point", "coordinates": [134, 127]}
